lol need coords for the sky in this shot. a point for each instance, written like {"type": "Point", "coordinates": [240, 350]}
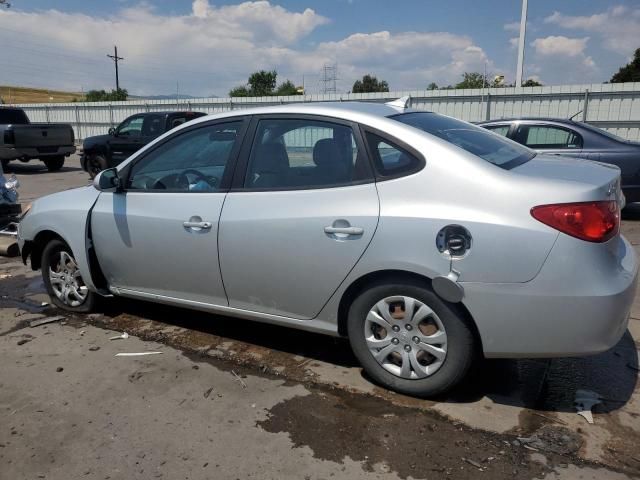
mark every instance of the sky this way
{"type": "Point", "coordinates": [206, 47]}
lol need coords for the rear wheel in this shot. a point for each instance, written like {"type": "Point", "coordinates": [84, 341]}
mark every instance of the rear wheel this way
{"type": "Point", "coordinates": [54, 164]}
{"type": "Point", "coordinates": [95, 164]}
{"type": "Point", "coordinates": [410, 340]}
{"type": "Point", "coordinates": [63, 280]}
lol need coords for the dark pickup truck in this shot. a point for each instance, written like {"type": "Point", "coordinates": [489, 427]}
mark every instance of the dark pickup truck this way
{"type": "Point", "coordinates": [22, 140]}
{"type": "Point", "coordinates": [106, 151]}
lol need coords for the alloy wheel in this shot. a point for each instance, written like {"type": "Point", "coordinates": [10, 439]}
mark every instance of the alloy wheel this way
{"type": "Point", "coordinates": [66, 281]}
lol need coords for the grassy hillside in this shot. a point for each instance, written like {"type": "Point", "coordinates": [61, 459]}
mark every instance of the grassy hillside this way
{"type": "Point", "coordinates": [10, 94]}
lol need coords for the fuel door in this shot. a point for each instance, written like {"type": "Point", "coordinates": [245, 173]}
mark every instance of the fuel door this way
{"type": "Point", "coordinates": [453, 241]}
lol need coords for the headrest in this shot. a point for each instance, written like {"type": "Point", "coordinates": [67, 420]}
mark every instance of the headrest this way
{"type": "Point", "coordinates": [326, 153]}
{"type": "Point", "coordinates": [272, 157]}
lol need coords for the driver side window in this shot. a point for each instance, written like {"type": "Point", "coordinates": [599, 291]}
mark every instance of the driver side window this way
{"type": "Point", "coordinates": [131, 127]}
{"type": "Point", "coordinates": [193, 161]}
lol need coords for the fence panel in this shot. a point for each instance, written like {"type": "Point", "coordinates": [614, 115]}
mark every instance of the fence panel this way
{"type": "Point", "coordinates": [614, 107]}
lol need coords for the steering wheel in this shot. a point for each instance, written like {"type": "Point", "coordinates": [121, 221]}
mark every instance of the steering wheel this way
{"type": "Point", "coordinates": [209, 179]}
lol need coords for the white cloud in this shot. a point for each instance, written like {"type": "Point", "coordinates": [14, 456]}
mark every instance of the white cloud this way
{"type": "Point", "coordinates": [559, 45]}
{"type": "Point", "coordinates": [618, 26]}
{"type": "Point", "coordinates": [562, 60]}
{"type": "Point", "coordinates": [512, 27]}
{"type": "Point", "coordinates": [213, 48]}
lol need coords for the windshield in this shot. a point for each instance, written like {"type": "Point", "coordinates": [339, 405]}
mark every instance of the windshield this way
{"type": "Point", "coordinates": [602, 131]}
{"type": "Point", "coordinates": [487, 145]}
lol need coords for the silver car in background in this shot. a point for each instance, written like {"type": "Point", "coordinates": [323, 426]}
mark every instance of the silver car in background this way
{"type": "Point", "coordinates": [425, 240]}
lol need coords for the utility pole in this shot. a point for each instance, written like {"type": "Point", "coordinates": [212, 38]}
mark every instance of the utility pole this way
{"type": "Point", "coordinates": [115, 59]}
{"type": "Point", "coordinates": [521, 43]}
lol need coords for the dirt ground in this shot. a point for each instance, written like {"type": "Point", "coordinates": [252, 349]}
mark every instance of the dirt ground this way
{"type": "Point", "coordinates": [228, 398]}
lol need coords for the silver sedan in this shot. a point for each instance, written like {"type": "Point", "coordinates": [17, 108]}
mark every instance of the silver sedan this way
{"type": "Point", "coordinates": [425, 240]}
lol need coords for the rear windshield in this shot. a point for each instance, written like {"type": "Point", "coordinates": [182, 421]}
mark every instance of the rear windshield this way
{"type": "Point", "coordinates": [487, 145]}
{"type": "Point", "coordinates": [12, 116]}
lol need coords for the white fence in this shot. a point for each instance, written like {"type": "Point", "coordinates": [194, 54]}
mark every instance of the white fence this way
{"type": "Point", "coordinates": [614, 107]}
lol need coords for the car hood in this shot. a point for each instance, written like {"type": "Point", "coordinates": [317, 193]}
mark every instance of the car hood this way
{"type": "Point", "coordinates": [96, 140]}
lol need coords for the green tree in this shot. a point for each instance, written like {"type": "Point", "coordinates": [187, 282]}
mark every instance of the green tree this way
{"type": "Point", "coordinates": [262, 83]}
{"type": "Point", "coordinates": [630, 72]}
{"type": "Point", "coordinates": [531, 83]}
{"type": "Point", "coordinates": [103, 96]}
{"type": "Point", "coordinates": [369, 83]}
{"type": "Point", "coordinates": [287, 88]}
{"type": "Point", "coordinates": [472, 80]}
{"type": "Point", "coordinates": [239, 92]}
{"type": "Point", "coordinates": [432, 86]}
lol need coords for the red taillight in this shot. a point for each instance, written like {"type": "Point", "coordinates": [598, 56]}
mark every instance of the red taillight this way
{"type": "Point", "coordinates": [590, 221]}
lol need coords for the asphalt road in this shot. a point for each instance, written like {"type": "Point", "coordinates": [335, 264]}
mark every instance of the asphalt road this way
{"type": "Point", "coordinates": [229, 398]}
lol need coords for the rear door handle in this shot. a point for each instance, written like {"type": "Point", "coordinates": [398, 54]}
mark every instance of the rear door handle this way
{"type": "Point", "coordinates": [345, 230]}
{"type": "Point", "coordinates": [202, 225]}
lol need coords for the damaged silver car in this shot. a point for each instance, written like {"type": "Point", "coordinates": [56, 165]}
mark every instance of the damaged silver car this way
{"type": "Point", "coordinates": [425, 240]}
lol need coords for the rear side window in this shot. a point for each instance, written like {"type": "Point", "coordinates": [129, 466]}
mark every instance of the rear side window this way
{"type": "Point", "coordinates": [502, 152]}
{"type": "Point", "coordinates": [499, 129]}
{"type": "Point", "coordinates": [12, 116]}
{"type": "Point", "coordinates": [304, 153]}
{"type": "Point", "coordinates": [538, 136]}
{"type": "Point", "coordinates": [389, 159]}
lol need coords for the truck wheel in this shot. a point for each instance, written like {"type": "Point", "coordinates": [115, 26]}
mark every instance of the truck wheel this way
{"type": "Point", "coordinates": [54, 163]}
{"type": "Point", "coordinates": [95, 164]}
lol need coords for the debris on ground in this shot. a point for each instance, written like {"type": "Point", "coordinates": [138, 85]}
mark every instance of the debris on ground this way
{"type": "Point", "coordinates": [59, 369]}
{"type": "Point", "coordinates": [553, 439]}
{"type": "Point", "coordinates": [471, 462]}
{"type": "Point", "coordinates": [123, 336]}
{"type": "Point", "coordinates": [44, 304]}
{"type": "Point", "coordinates": [5, 275]}
{"type": "Point", "coordinates": [42, 321]}
{"type": "Point", "coordinates": [94, 348]}
{"type": "Point", "coordinates": [136, 354]}
{"type": "Point", "coordinates": [584, 402]}
{"type": "Point", "coordinates": [82, 332]}
{"type": "Point", "coordinates": [244, 385]}
{"type": "Point", "coordinates": [208, 392]}
{"type": "Point", "coordinates": [23, 341]}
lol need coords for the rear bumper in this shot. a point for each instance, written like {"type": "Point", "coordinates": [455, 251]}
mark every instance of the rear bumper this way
{"type": "Point", "coordinates": [28, 153]}
{"type": "Point", "coordinates": [578, 304]}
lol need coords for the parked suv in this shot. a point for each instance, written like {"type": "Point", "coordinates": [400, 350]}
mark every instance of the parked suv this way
{"type": "Point", "coordinates": [105, 151]}
{"type": "Point", "coordinates": [22, 140]}
{"type": "Point", "coordinates": [576, 139]}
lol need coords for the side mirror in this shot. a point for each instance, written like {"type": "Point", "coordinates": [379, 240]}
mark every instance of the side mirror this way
{"type": "Point", "coordinates": [108, 181]}
{"type": "Point", "coordinates": [112, 132]}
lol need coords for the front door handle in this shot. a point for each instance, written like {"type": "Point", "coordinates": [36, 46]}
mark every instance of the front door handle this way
{"type": "Point", "coordinates": [344, 230]}
{"type": "Point", "coordinates": [202, 225]}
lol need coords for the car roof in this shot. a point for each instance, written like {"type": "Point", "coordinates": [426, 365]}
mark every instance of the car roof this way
{"type": "Point", "coordinates": [564, 121]}
{"type": "Point", "coordinates": [353, 111]}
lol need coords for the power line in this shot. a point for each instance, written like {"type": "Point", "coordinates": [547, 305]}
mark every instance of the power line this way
{"type": "Point", "coordinates": [115, 59]}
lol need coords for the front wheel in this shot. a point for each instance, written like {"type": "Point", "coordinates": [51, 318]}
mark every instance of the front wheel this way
{"type": "Point", "coordinates": [409, 340]}
{"type": "Point", "coordinates": [54, 164]}
{"type": "Point", "coordinates": [63, 280]}
{"type": "Point", "coordinates": [95, 164]}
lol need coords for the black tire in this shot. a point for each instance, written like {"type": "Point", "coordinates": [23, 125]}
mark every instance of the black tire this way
{"type": "Point", "coordinates": [5, 164]}
{"type": "Point", "coordinates": [50, 256]}
{"type": "Point", "coordinates": [462, 346]}
{"type": "Point", "coordinates": [54, 164]}
{"type": "Point", "coordinates": [95, 164]}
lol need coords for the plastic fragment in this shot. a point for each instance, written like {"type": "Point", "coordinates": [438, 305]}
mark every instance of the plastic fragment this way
{"type": "Point", "coordinates": [42, 321]}
{"type": "Point", "coordinates": [123, 336]}
{"type": "Point", "coordinates": [136, 354]}
{"type": "Point", "coordinates": [584, 402]}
